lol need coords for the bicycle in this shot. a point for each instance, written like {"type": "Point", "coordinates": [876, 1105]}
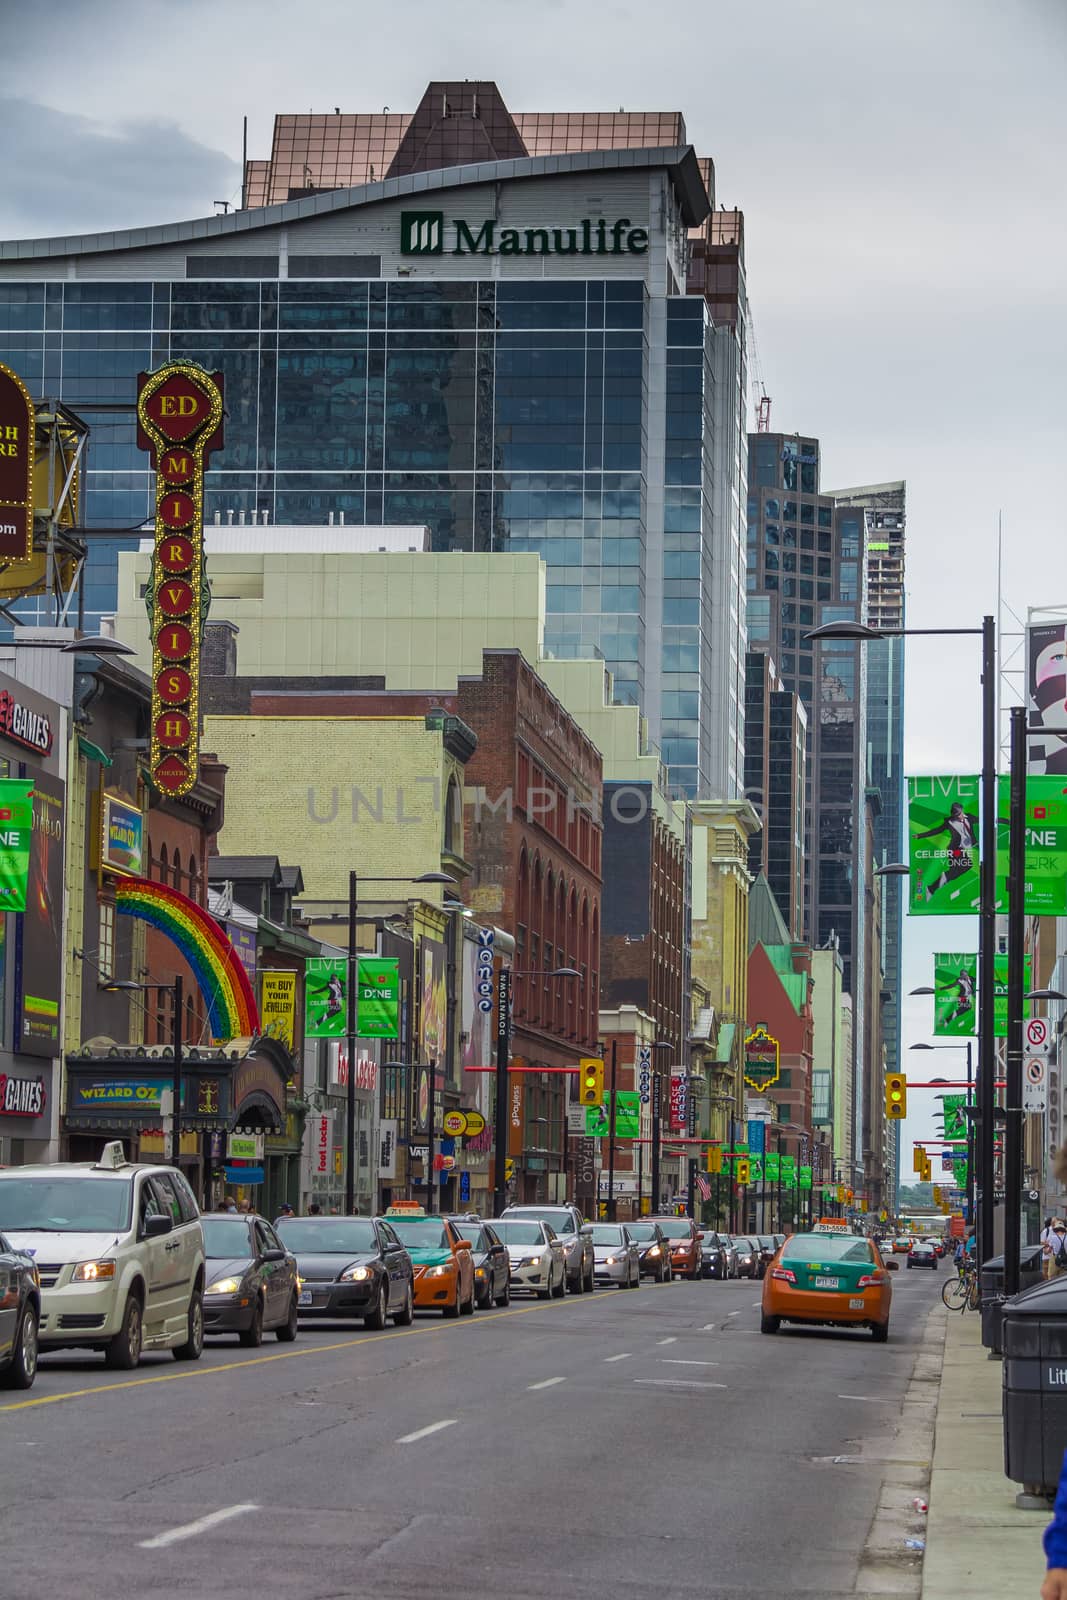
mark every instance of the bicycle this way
{"type": "Point", "coordinates": [961, 1293]}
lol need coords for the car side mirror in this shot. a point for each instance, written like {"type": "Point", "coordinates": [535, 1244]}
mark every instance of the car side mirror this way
{"type": "Point", "coordinates": [700, 1236]}
{"type": "Point", "coordinates": [463, 1244]}
{"type": "Point", "coordinates": [892, 1266]}
{"type": "Point", "coordinates": [273, 1255]}
{"type": "Point", "coordinates": [587, 1231]}
{"type": "Point", "coordinates": [156, 1227]}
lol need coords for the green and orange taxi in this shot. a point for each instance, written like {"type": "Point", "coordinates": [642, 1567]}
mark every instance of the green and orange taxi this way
{"type": "Point", "coordinates": [440, 1257]}
{"type": "Point", "coordinates": [830, 1276]}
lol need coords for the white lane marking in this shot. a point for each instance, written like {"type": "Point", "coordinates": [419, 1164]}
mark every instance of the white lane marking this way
{"type": "Point", "coordinates": [625, 1357]}
{"type": "Point", "coordinates": [733, 1313]}
{"type": "Point", "coordinates": [679, 1383]}
{"type": "Point", "coordinates": [678, 1361]}
{"type": "Point", "coordinates": [424, 1433]}
{"type": "Point", "coordinates": [872, 1399]}
{"type": "Point", "coordinates": [667, 1341]}
{"type": "Point", "coordinates": [709, 1327]}
{"type": "Point", "coordinates": [546, 1383]}
{"type": "Point", "coordinates": [189, 1530]}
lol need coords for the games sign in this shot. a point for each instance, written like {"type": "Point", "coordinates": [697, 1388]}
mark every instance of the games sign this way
{"type": "Point", "coordinates": [179, 422]}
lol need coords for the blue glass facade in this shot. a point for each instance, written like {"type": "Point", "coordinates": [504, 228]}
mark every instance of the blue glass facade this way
{"type": "Point", "coordinates": [570, 417]}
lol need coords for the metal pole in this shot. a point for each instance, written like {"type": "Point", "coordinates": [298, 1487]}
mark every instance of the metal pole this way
{"type": "Point", "coordinates": [691, 1166]}
{"type": "Point", "coordinates": [657, 1086]}
{"type": "Point", "coordinates": [431, 1176]}
{"type": "Point", "coordinates": [350, 1046]}
{"type": "Point", "coordinates": [640, 1176]}
{"type": "Point", "coordinates": [176, 1119]}
{"type": "Point", "coordinates": [503, 1051]}
{"type": "Point", "coordinates": [1013, 1131]}
{"type": "Point", "coordinates": [987, 942]}
{"type": "Point", "coordinates": [611, 1132]}
{"type": "Point", "coordinates": [969, 1185]}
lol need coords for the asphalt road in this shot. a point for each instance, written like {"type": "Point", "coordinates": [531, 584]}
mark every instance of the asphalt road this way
{"type": "Point", "coordinates": [623, 1444]}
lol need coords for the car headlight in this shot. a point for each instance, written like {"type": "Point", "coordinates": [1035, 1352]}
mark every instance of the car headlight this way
{"type": "Point", "coordinates": [654, 1251]}
{"type": "Point", "coordinates": [224, 1286]}
{"type": "Point", "coordinates": [355, 1274]}
{"type": "Point", "coordinates": [479, 1272]}
{"type": "Point", "coordinates": [530, 1261]}
{"type": "Point", "coordinates": [610, 1261]}
{"type": "Point", "coordinates": [438, 1272]}
{"type": "Point", "coordinates": [93, 1271]}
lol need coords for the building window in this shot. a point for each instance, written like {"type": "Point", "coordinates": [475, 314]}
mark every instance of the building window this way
{"type": "Point", "coordinates": [105, 941]}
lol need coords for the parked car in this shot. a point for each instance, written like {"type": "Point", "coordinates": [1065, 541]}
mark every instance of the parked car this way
{"type": "Point", "coordinates": [567, 1224]}
{"type": "Point", "coordinates": [492, 1265]}
{"type": "Point", "coordinates": [716, 1256]}
{"type": "Point", "coordinates": [653, 1249]}
{"type": "Point", "coordinates": [350, 1267]}
{"type": "Point", "coordinates": [834, 1278]}
{"type": "Point", "coordinates": [618, 1260]}
{"type": "Point", "coordinates": [768, 1249]}
{"type": "Point", "coordinates": [538, 1262]}
{"type": "Point", "coordinates": [252, 1285]}
{"type": "Point", "coordinates": [923, 1254]}
{"type": "Point", "coordinates": [684, 1236]}
{"type": "Point", "coordinates": [747, 1252]}
{"type": "Point", "coordinates": [441, 1258]}
{"type": "Point", "coordinates": [118, 1249]}
{"type": "Point", "coordinates": [20, 1315]}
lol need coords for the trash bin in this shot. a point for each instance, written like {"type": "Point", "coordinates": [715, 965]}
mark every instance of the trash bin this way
{"type": "Point", "coordinates": [1035, 1385]}
{"type": "Point", "coordinates": [991, 1285]}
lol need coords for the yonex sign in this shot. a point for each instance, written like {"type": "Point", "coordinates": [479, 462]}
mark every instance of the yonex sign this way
{"type": "Point", "coordinates": [423, 233]}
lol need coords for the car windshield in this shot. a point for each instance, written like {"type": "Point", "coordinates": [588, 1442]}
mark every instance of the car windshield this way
{"type": "Point", "coordinates": [817, 1247]}
{"type": "Point", "coordinates": [745, 1244]}
{"type": "Point", "coordinates": [471, 1231]}
{"type": "Point", "coordinates": [606, 1234]}
{"type": "Point", "coordinates": [558, 1221]}
{"type": "Point", "coordinates": [76, 1203]}
{"type": "Point", "coordinates": [421, 1233]}
{"type": "Point", "coordinates": [328, 1236]}
{"type": "Point", "coordinates": [225, 1236]}
{"type": "Point", "coordinates": [676, 1227]}
{"type": "Point", "coordinates": [519, 1232]}
{"type": "Point", "coordinates": [641, 1231]}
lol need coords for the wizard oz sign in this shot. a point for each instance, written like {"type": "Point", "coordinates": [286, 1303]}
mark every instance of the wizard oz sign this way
{"type": "Point", "coordinates": [761, 1059]}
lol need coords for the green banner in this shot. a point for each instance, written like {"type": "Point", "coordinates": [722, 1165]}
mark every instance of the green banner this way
{"type": "Point", "coordinates": [1046, 844]}
{"type": "Point", "coordinates": [955, 1121]}
{"type": "Point", "coordinates": [1000, 993]}
{"type": "Point", "coordinates": [772, 1166]}
{"type": "Point", "coordinates": [16, 832]}
{"type": "Point", "coordinates": [789, 1170]}
{"type": "Point", "coordinates": [959, 1169]}
{"type": "Point", "coordinates": [755, 1169]}
{"type": "Point", "coordinates": [943, 845]}
{"type": "Point", "coordinates": [627, 1114]}
{"type": "Point", "coordinates": [378, 998]}
{"type": "Point", "coordinates": [325, 997]}
{"type": "Point", "coordinates": [596, 1120]}
{"type": "Point", "coordinates": [955, 994]}
{"type": "Point", "coordinates": [805, 1177]}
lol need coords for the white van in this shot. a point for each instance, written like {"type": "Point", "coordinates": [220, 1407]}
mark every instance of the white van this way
{"type": "Point", "coordinates": [120, 1254]}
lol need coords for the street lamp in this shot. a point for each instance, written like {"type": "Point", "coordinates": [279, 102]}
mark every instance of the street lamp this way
{"type": "Point", "coordinates": [987, 913]}
{"type": "Point", "coordinates": [503, 1055]}
{"type": "Point", "coordinates": [175, 989]}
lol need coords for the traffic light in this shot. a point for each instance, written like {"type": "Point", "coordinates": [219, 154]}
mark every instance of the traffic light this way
{"type": "Point", "coordinates": [591, 1082]}
{"type": "Point", "coordinates": [896, 1095]}
{"type": "Point", "coordinates": [918, 1158]}
{"type": "Point", "coordinates": [509, 1169]}
{"type": "Point", "coordinates": [937, 1194]}
{"type": "Point", "coordinates": [714, 1158]}
{"type": "Point", "coordinates": [743, 1171]}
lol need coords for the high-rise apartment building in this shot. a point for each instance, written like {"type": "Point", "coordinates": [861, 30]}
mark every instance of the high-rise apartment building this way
{"type": "Point", "coordinates": [464, 318]}
{"type": "Point", "coordinates": [776, 755]}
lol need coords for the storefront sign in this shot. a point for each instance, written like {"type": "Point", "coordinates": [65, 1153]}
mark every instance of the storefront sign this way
{"type": "Point", "coordinates": [387, 1129]}
{"type": "Point", "coordinates": [18, 423]}
{"type": "Point", "coordinates": [366, 1068]}
{"type": "Point", "coordinates": [21, 1097]}
{"type": "Point", "coordinates": [277, 1006]}
{"type": "Point", "coordinates": [121, 836]}
{"type": "Point", "coordinates": [424, 233]}
{"type": "Point", "coordinates": [762, 1059]}
{"type": "Point", "coordinates": [244, 1147]}
{"type": "Point", "coordinates": [378, 998]}
{"type": "Point", "coordinates": [322, 1140]}
{"type": "Point", "coordinates": [24, 726]}
{"type": "Point", "coordinates": [16, 833]}
{"type": "Point", "coordinates": [125, 1094]}
{"type": "Point", "coordinates": [679, 1101]}
{"type": "Point", "coordinates": [516, 1115]}
{"type": "Point", "coordinates": [179, 421]}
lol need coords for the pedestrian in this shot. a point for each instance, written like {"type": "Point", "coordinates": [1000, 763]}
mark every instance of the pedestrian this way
{"type": "Point", "coordinates": [286, 1211]}
{"type": "Point", "coordinates": [314, 1209]}
{"type": "Point", "coordinates": [1055, 1542]}
{"type": "Point", "coordinates": [244, 1208]}
{"type": "Point", "coordinates": [1058, 1257]}
{"type": "Point", "coordinates": [1047, 1246]}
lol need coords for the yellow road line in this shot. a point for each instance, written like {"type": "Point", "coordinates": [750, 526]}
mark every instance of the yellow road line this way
{"type": "Point", "coordinates": [288, 1355]}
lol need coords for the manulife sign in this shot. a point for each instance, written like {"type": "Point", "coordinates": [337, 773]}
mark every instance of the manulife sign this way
{"type": "Point", "coordinates": [426, 233]}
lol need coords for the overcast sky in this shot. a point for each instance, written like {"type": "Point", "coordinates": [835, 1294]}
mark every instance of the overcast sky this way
{"type": "Point", "coordinates": [901, 170]}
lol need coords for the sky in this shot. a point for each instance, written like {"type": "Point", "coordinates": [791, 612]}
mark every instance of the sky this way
{"type": "Point", "coordinates": [901, 171]}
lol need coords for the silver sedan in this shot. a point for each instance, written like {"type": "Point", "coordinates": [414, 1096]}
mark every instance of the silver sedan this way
{"type": "Point", "coordinates": [615, 1255]}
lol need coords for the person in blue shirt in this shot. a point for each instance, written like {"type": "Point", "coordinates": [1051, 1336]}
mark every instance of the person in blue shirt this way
{"type": "Point", "coordinates": [1055, 1541]}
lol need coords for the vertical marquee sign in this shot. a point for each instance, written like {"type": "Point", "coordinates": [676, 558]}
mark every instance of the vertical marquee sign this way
{"type": "Point", "coordinates": [18, 422]}
{"type": "Point", "coordinates": [179, 421]}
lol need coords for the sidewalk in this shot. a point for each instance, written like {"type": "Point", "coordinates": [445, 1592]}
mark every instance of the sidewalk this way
{"type": "Point", "coordinates": [978, 1545]}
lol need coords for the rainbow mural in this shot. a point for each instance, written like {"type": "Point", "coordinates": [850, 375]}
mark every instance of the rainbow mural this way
{"type": "Point", "coordinates": [220, 976]}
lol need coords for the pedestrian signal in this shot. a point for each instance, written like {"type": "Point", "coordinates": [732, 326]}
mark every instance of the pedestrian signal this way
{"type": "Point", "coordinates": [591, 1082]}
{"type": "Point", "coordinates": [896, 1095]}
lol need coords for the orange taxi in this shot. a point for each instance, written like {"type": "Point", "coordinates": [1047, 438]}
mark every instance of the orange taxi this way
{"type": "Point", "coordinates": [440, 1258]}
{"type": "Point", "coordinates": [829, 1276]}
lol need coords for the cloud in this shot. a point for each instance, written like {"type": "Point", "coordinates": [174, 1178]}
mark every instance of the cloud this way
{"type": "Point", "coordinates": [66, 174]}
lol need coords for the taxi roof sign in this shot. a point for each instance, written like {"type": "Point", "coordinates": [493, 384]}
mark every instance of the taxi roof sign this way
{"type": "Point", "coordinates": [406, 1208]}
{"type": "Point", "coordinates": [832, 1225]}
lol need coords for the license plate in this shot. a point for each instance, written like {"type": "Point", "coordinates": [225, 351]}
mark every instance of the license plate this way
{"type": "Point", "coordinates": [305, 1297]}
{"type": "Point", "coordinates": [828, 1283]}
{"type": "Point", "coordinates": [856, 1303]}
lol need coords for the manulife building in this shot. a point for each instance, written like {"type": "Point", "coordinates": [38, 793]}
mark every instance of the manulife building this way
{"type": "Point", "coordinates": [488, 328]}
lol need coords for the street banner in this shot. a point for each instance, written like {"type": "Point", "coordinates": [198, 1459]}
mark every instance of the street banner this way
{"type": "Point", "coordinates": [805, 1177]}
{"type": "Point", "coordinates": [772, 1166]}
{"type": "Point", "coordinates": [627, 1114]}
{"type": "Point", "coordinates": [16, 832]}
{"type": "Point", "coordinates": [789, 1170]}
{"type": "Point", "coordinates": [1046, 694]}
{"type": "Point", "coordinates": [277, 1006]}
{"type": "Point", "coordinates": [955, 1121]}
{"type": "Point", "coordinates": [378, 998]}
{"type": "Point", "coordinates": [1000, 992]}
{"type": "Point", "coordinates": [955, 994]}
{"type": "Point", "coordinates": [943, 846]}
{"type": "Point", "coordinates": [597, 1124]}
{"type": "Point", "coordinates": [325, 997]}
{"type": "Point", "coordinates": [959, 1168]}
{"type": "Point", "coordinates": [679, 1100]}
{"type": "Point", "coordinates": [1046, 844]}
{"type": "Point", "coordinates": [756, 1136]}
{"type": "Point", "coordinates": [755, 1169]}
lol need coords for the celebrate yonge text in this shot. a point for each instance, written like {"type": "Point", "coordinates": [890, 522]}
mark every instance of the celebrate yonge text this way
{"type": "Point", "coordinates": [422, 233]}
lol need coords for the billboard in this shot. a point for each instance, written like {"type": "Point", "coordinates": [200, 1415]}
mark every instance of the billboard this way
{"type": "Point", "coordinates": [433, 1005]}
{"type": "Point", "coordinates": [955, 994]}
{"type": "Point", "coordinates": [121, 835]}
{"type": "Point", "coordinates": [943, 846]}
{"type": "Point", "coordinates": [16, 836]}
{"type": "Point", "coordinates": [39, 939]}
{"type": "Point", "coordinates": [1046, 695]}
{"type": "Point", "coordinates": [277, 1006]}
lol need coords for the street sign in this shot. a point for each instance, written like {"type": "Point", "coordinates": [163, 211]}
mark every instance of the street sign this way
{"type": "Point", "coordinates": [475, 1124]}
{"type": "Point", "coordinates": [1036, 1036]}
{"type": "Point", "coordinates": [454, 1123]}
{"type": "Point", "coordinates": [1034, 1095]}
{"type": "Point", "coordinates": [575, 1119]}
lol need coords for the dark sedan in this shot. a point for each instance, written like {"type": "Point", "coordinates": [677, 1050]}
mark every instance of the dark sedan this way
{"type": "Point", "coordinates": [922, 1254]}
{"type": "Point", "coordinates": [251, 1280]}
{"type": "Point", "coordinates": [20, 1316]}
{"type": "Point", "coordinates": [716, 1256]}
{"type": "Point", "coordinates": [654, 1249]}
{"type": "Point", "coordinates": [351, 1267]}
{"type": "Point", "coordinates": [492, 1264]}
{"type": "Point", "coordinates": [748, 1256]}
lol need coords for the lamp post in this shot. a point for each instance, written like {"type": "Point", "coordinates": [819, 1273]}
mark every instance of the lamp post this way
{"type": "Point", "coordinates": [963, 1045]}
{"type": "Point", "coordinates": [611, 1130]}
{"type": "Point", "coordinates": [503, 1056]}
{"type": "Point", "coordinates": [177, 991]}
{"type": "Point", "coordinates": [657, 1117]}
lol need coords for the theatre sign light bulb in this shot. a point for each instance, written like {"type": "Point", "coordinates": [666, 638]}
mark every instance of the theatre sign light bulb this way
{"type": "Point", "coordinates": [179, 421]}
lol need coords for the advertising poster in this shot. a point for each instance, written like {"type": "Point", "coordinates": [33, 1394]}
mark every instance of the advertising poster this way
{"type": "Point", "coordinates": [679, 1101]}
{"type": "Point", "coordinates": [956, 994]}
{"type": "Point", "coordinates": [955, 1121]}
{"type": "Point", "coordinates": [433, 1007]}
{"type": "Point", "coordinates": [772, 1166]}
{"type": "Point", "coordinates": [121, 836]}
{"type": "Point", "coordinates": [244, 944]}
{"type": "Point", "coordinates": [789, 1170]}
{"type": "Point", "coordinates": [378, 998]}
{"type": "Point", "coordinates": [1046, 844]}
{"type": "Point", "coordinates": [325, 997]}
{"type": "Point", "coordinates": [16, 832]}
{"type": "Point", "coordinates": [277, 1006]}
{"type": "Point", "coordinates": [1046, 694]}
{"type": "Point", "coordinates": [38, 947]}
{"type": "Point", "coordinates": [627, 1114]}
{"type": "Point", "coordinates": [943, 846]}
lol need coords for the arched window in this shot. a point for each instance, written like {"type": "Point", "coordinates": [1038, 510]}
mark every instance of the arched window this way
{"type": "Point", "coordinates": [593, 1003]}
{"type": "Point", "coordinates": [522, 916]}
{"type": "Point", "coordinates": [454, 819]}
{"type": "Point", "coordinates": [574, 989]}
{"type": "Point", "coordinates": [560, 985]}
{"type": "Point", "coordinates": [548, 948]}
{"type": "Point", "coordinates": [537, 923]}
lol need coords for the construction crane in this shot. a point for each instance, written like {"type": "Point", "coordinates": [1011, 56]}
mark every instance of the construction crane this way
{"type": "Point", "coordinates": [761, 400]}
